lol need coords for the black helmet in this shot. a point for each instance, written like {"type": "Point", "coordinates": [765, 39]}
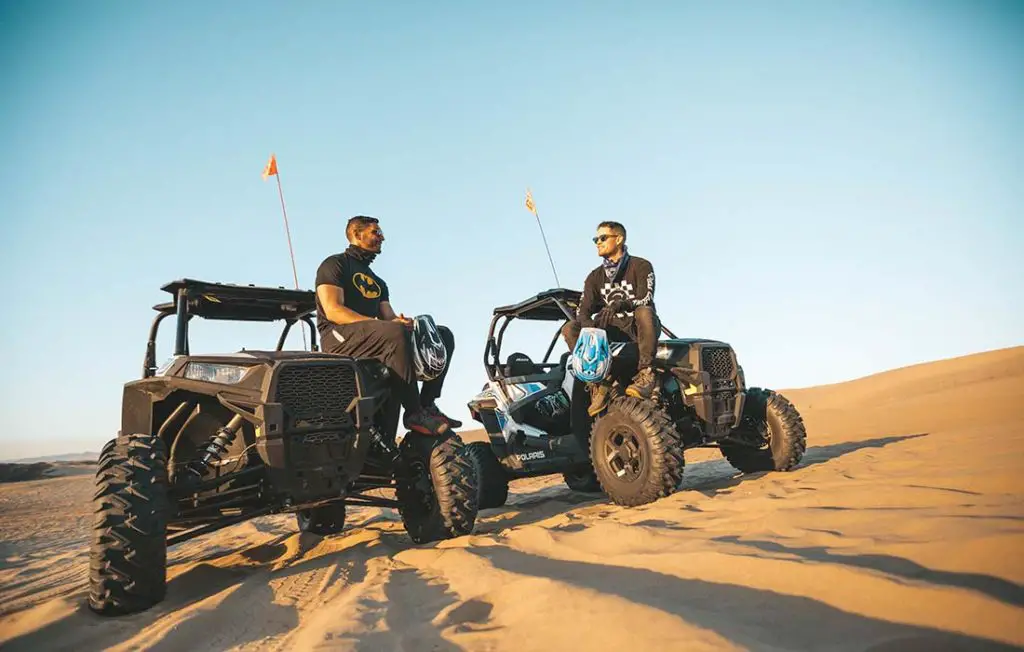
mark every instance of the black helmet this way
{"type": "Point", "coordinates": [428, 352]}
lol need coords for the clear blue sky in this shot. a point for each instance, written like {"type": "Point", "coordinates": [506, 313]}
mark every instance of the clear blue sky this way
{"type": "Point", "coordinates": [834, 188]}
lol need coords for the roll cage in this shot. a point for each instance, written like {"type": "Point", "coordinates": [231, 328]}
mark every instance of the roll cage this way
{"type": "Point", "coordinates": [553, 305]}
{"type": "Point", "coordinates": [229, 302]}
{"type": "Point", "coordinates": [559, 305]}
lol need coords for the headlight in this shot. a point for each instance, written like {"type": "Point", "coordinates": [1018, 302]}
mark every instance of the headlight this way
{"type": "Point", "coordinates": [162, 369]}
{"type": "Point", "coordinates": [211, 372]}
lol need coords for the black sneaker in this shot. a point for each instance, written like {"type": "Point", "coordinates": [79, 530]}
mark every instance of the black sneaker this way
{"type": "Point", "coordinates": [643, 384]}
{"type": "Point", "coordinates": [425, 423]}
{"type": "Point", "coordinates": [433, 410]}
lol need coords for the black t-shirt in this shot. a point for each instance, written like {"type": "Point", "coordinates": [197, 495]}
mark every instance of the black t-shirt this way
{"type": "Point", "coordinates": [363, 290]}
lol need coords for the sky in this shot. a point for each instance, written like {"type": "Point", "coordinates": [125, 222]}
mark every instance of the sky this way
{"type": "Point", "coordinates": [835, 189]}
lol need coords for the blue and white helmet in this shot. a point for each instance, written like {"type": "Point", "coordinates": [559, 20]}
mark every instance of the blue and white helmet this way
{"type": "Point", "coordinates": [428, 352]}
{"type": "Point", "coordinates": [591, 358]}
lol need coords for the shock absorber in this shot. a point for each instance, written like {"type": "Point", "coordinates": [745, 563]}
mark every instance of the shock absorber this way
{"type": "Point", "coordinates": [377, 437]}
{"type": "Point", "coordinates": [219, 444]}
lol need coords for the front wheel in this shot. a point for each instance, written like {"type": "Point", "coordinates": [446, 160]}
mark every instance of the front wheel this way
{"type": "Point", "coordinates": [128, 552]}
{"type": "Point", "coordinates": [636, 453]}
{"type": "Point", "coordinates": [437, 487]}
{"type": "Point", "coordinates": [772, 431]}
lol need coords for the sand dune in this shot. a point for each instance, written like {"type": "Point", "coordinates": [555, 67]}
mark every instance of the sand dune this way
{"type": "Point", "coordinates": [21, 472]}
{"type": "Point", "coordinates": [903, 529]}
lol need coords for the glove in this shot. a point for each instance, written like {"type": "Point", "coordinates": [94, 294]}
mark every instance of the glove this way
{"type": "Point", "coordinates": [607, 314]}
{"type": "Point", "coordinates": [617, 306]}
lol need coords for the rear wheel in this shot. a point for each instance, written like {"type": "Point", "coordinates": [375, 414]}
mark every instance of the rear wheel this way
{"type": "Point", "coordinates": [636, 453]}
{"type": "Point", "coordinates": [773, 433]}
{"type": "Point", "coordinates": [437, 487]}
{"type": "Point", "coordinates": [128, 551]}
{"type": "Point", "coordinates": [582, 480]}
{"type": "Point", "coordinates": [492, 477]}
{"type": "Point", "coordinates": [322, 521]}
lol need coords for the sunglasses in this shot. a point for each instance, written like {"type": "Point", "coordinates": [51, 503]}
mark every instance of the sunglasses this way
{"type": "Point", "coordinates": [601, 238]}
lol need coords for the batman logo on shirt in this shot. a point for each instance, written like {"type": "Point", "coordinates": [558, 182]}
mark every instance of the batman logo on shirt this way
{"type": "Point", "coordinates": [367, 285]}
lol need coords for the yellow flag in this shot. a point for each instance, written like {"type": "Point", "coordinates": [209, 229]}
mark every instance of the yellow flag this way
{"type": "Point", "coordinates": [530, 206]}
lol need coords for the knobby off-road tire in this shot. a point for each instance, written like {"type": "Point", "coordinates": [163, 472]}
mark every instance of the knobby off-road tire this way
{"type": "Point", "coordinates": [493, 480]}
{"type": "Point", "coordinates": [128, 551]}
{"type": "Point", "coordinates": [584, 481]}
{"type": "Point", "coordinates": [771, 422]}
{"type": "Point", "coordinates": [322, 521]}
{"type": "Point", "coordinates": [639, 428]}
{"type": "Point", "coordinates": [437, 487]}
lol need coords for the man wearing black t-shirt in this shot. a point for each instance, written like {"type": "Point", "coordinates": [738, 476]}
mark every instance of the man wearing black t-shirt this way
{"type": "Point", "coordinates": [355, 317]}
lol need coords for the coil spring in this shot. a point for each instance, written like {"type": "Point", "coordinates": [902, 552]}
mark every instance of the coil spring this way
{"type": "Point", "coordinates": [218, 446]}
{"type": "Point", "coordinates": [378, 438]}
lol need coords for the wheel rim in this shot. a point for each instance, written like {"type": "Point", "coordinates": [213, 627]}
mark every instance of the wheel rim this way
{"type": "Point", "coordinates": [421, 484]}
{"type": "Point", "coordinates": [762, 434]}
{"type": "Point", "coordinates": [624, 454]}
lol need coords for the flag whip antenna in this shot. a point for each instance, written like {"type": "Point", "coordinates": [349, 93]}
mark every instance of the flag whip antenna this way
{"type": "Point", "coordinates": [271, 171]}
{"type": "Point", "coordinates": [532, 207]}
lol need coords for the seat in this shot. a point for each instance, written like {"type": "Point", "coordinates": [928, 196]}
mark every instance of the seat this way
{"type": "Point", "coordinates": [520, 364]}
{"type": "Point", "coordinates": [562, 363]}
{"type": "Point", "coordinates": [543, 408]}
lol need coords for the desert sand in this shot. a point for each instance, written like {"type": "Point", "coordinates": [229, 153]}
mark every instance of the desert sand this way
{"type": "Point", "coordinates": [902, 529]}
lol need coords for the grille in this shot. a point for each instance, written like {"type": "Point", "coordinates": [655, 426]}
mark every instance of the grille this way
{"type": "Point", "coordinates": [716, 361]}
{"type": "Point", "coordinates": [316, 395]}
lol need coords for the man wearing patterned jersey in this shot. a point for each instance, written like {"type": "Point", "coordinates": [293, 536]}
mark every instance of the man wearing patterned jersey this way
{"type": "Point", "coordinates": [618, 296]}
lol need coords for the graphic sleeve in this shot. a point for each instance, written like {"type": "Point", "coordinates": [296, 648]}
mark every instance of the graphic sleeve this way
{"type": "Point", "coordinates": [644, 285]}
{"type": "Point", "coordinates": [589, 301]}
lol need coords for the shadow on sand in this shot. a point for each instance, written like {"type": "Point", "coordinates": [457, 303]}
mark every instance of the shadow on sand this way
{"type": "Point", "coordinates": [689, 599]}
{"type": "Point", "coordinates": [993, 587]}
{"type": "Point", "coordinates": [710, 478]}
{"type": "Point", "coordinates": [248, 593]}
{"type": "Point", "coordinates": [821, 454]}
{"type": "Point", "coordinates": [715, 476]}
{"type": "Point", "coordinates": [84, 630]}
{"type": "Point", "coordinates": [752, 618]}
{"type": "Point", "coordinates": [409, 606]}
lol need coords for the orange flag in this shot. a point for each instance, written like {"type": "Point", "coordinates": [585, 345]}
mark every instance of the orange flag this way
{"type": "Point", "coordinates": [271, 169]}
{"type": "Point", "coordinates": [530, 206]}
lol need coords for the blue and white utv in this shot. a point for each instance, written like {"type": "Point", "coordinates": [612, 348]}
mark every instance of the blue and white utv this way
{"type": "Point", "coordinates": [535, 414]}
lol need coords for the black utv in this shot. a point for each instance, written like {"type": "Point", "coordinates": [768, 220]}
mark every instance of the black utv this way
{"type": "Point", "coordinates": [537, 422]}
{"type": "Point", "coordinates": [207, 441]}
